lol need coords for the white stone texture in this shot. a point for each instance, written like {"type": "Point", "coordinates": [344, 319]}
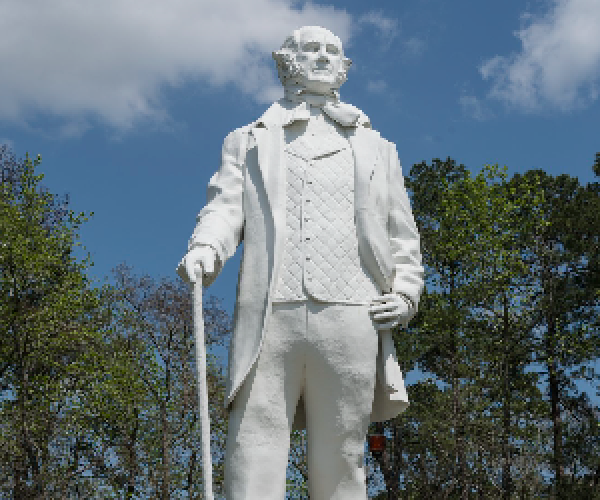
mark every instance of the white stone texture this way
{"type": "Point", "coordinates": [310, 348]}
{"type": "Point", "coordinates": [302, 184]}
{"type": "Point", "coordinates": [320, 256]}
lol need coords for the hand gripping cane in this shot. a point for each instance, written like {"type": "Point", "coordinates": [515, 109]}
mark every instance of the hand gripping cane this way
{"type": "Point", "coordinates": [202, 385]}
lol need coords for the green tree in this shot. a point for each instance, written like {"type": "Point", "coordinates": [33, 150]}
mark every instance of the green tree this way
{"type": "Point", "coordinates": [99, 395]}
{"type": "Point", "coordinates": [485, 412]}
{"type": "Point", "coordinates": [596, 165]}
{"type": "Point", "coordinates": [144, 411]}
{"type": "Point", "coordinates": [499, 296]}
{"type": "Point", "coordinates": [467, 230]}
{"type": "Point", "coordinates": [297, 482]}
{"type": "Point", "coordinates": [562, 256]}
{"type": "Point", "coordinates": [49, 319]}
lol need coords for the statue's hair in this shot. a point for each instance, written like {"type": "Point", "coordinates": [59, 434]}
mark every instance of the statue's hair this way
{"type": "Point", "coordinates": [289, 70]}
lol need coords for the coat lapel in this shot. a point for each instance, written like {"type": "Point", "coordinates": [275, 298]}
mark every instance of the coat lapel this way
{"type": "Point", "coordinates": [364, 150]}
{"type": "Point", "coordinates": [372, 236]}
{"type": "Point", "coordinates": [390, 396]}
{"type": "Point", "coordinates": [269, 134]}
{"type": "Point", "coordinates": [270, 143]}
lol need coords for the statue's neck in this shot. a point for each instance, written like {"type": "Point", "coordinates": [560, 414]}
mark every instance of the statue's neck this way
{"type": "Point", "coordinates": [298, 94]}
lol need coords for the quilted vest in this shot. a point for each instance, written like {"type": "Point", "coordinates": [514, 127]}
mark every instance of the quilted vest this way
{"type": "Point", "coordinates": [320, 255]}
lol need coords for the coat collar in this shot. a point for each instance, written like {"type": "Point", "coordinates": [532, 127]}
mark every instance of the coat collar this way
{"type": "Point", "coordinates": [284, 112]}
{"type": "Point", "coordinates": [268, 132]}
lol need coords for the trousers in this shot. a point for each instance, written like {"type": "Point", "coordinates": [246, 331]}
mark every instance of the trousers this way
{"type": "Point", "coordinates": [326, 354]}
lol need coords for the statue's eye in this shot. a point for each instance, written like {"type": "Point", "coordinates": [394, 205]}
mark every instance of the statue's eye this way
{"type": "Point", "coordinates": [311, 47]}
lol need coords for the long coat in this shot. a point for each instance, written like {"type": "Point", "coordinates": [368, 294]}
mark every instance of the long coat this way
{"type": "Point", "coordinates": [246, 201]}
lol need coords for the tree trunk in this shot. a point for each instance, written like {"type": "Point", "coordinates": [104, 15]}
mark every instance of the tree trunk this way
{"type": "Point", "coordinates": [556, 424]}
{"type": "Point", "coordinates": [457, 414]}
{"type": "Point", "coordinates": [553, 386]}
{"type": "Point", "coordinates": [132, 457]}
{"type": "Point", "coordinates": [190, 475]}
{"type": "Point", "coordinates": [460, 441]}
{"type": "Point", "coordinates": [506, 408]}
{"type": "Point", "coordinates": [27, 460]}
{"type": "Point", "coordinates": [384, 461]}
{"type": "Point", "coordinates": [192, 463]}
{"type": "Point", "coordinates": [393, 493]}
{"type": "Point", "coordinates": [164, 451]}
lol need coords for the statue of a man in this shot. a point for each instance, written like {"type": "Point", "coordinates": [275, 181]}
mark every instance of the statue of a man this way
{"type": "Point", "coordinates": [331, 262]}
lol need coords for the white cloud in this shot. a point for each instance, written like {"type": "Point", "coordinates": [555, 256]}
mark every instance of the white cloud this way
{"type": "Point", "coordinates": [474, 108]}
{"type": "Point", "coordinates": [559, 63]}
{"type": "Point", "coordinates": [110, 59]}
{"type": "Point", "coordinates": [387, 28]}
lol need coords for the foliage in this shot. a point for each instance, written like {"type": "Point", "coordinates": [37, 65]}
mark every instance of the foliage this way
{"type": "Point", "coordinates": [495, 305]}
{"type": "Point", "coordinates": [49, 318]}
{"type": "Point", "coordinates": [99, 395]}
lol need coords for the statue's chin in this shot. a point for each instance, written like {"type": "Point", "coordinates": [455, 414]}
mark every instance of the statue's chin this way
{"type": "Point", "coordinates": [318, 86]}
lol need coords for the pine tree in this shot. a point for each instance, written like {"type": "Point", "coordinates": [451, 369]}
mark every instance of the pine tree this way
{"type": "Point", "coordinates": [471, 427]}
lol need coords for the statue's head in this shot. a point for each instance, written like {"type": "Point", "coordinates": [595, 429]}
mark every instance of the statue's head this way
{"type": "Point", "coordinates": [312, 58]}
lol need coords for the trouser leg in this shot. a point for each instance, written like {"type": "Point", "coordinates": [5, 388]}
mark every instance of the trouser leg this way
{"type": "Point", "coordinates": [261, 414]}
{"type": "Point", "coordinates": [340, 382]}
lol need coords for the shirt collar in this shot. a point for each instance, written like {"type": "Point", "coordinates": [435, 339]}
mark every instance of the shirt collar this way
{"type": "Point", "coordinates": [284, 112]}
{"type": "Point", "coordinates": [344, 114]}
{"type": "Point", "coordinates": [295, 111]}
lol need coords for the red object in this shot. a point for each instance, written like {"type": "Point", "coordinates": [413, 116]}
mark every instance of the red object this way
{"type": "Point", "coordinates": [377, 443]}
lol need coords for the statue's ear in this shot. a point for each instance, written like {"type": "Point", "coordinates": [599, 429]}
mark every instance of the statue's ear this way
{"type": "Point", "coordinates": [290, 43]}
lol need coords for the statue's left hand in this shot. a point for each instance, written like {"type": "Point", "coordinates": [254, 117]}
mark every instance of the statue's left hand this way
{"type": "Point", "coordinates": [387, 310]}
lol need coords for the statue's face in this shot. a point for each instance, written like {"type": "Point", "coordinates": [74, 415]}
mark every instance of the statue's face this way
{"type": "Point", "coordinates": [320, 59]}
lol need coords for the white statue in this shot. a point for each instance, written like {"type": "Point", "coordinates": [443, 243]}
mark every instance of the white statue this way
{"type": "Point", "coordinates": [331, 262]}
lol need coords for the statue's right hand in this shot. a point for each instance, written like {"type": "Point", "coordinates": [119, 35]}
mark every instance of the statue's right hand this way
{"type": "Point", "coordinates": [202, 255]}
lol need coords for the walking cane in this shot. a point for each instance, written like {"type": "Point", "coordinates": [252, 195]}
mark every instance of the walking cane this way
{"type": "Point", "coordinates": [202, 385]}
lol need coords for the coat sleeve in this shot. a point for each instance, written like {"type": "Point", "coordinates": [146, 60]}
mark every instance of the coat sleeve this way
{"type": "Point", "coordinates": [404, 237]}
{"type": "Point", "coordinates": [220, 223]}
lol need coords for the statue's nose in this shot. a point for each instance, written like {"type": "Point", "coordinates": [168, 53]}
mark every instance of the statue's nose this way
{"type": "Point", "coordinates": [323, 56]}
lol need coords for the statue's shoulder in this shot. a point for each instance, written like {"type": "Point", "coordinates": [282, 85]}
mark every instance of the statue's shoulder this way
{"type": "Point", "coordinates": [237, 133]}
{"type": "Point", "coordinates": [364, 121]}
{"type": "Point", "coordinates": [240, 139]}
{"type": "Point", "coordinates": [271, 115]}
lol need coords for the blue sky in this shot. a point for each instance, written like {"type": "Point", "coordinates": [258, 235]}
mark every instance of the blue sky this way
{"type": "Point", "coordinates": [128, 101]}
